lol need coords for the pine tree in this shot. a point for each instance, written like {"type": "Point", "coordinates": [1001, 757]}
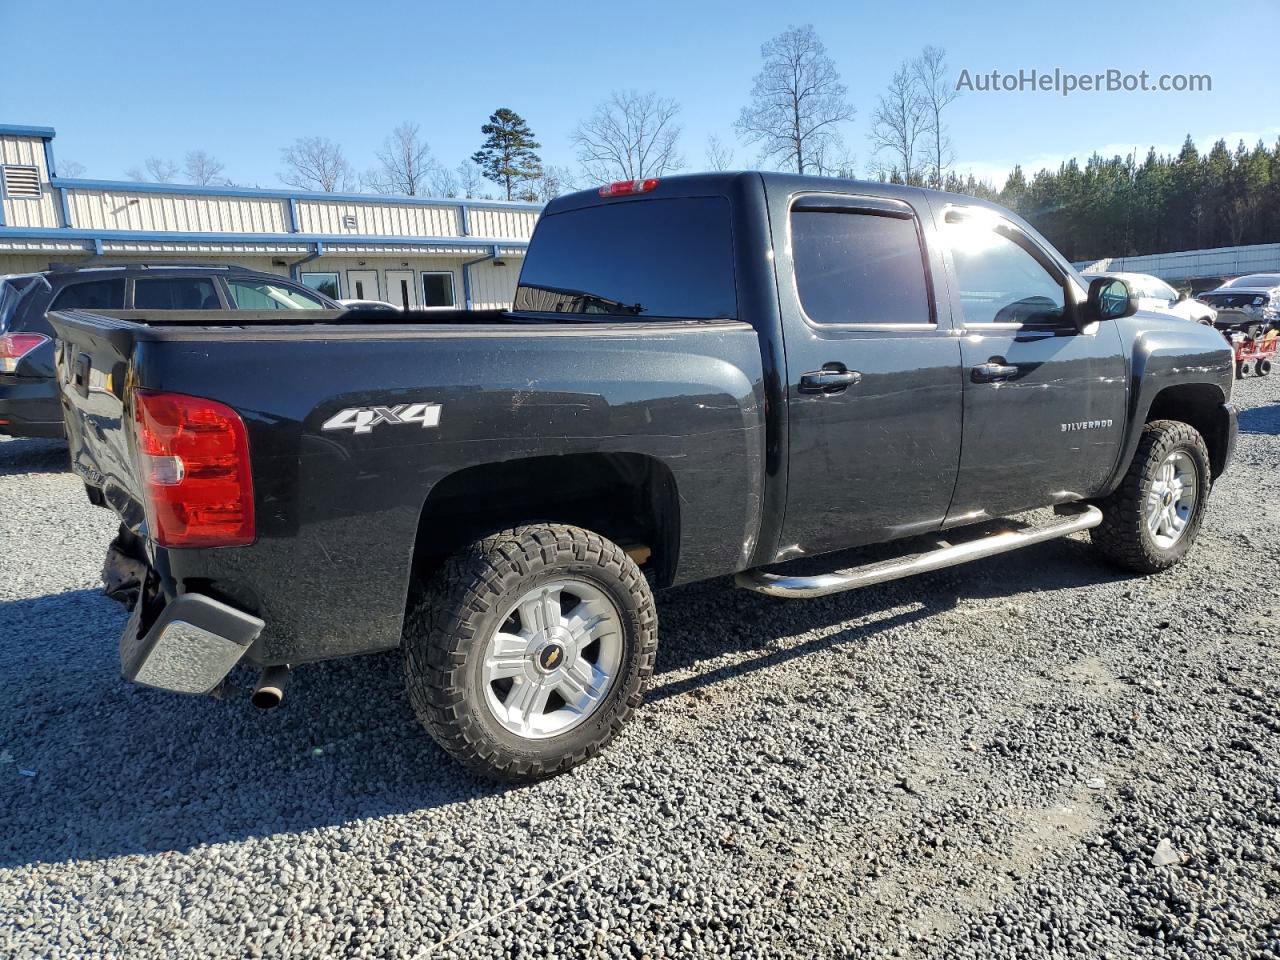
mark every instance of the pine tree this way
{"type": "Point", "coordinates": [508, 155]}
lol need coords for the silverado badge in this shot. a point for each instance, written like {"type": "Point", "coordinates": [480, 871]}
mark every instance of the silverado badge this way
{"type": "Point", "coordinates": [1087, 425]}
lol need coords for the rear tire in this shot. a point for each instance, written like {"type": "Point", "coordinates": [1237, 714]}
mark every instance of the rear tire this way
{"type": "Point", "coordinates": [1152, 519]}
{"type": "Point", "coordinates": [530, 649]}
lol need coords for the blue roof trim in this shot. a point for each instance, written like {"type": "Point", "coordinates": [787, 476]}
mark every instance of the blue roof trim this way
{"type": "Point", "coordinates": [125, 186]}
{"type": "Point", "coordinates": [18, 130]}
{"type": "Point", "coordinates": [296, 239]}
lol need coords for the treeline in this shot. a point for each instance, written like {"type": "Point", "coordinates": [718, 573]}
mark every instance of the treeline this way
{"type": "Point", "coordinates": [1119, 207]}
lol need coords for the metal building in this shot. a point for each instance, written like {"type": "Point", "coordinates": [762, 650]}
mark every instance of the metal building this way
{"type": "Point", "coordinates": [412, 251]}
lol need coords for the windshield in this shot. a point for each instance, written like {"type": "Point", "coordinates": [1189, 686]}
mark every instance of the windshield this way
{"type": "Point", "coordinates": [12, 290]}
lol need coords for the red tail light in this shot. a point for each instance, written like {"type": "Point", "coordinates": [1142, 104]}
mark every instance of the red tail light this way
{"type": "Point", "coordinates": [15, 346]}
{"type": "Point", "coordinates": [622, 188]}
{"type": "Point", "coordinates": [193, 455]}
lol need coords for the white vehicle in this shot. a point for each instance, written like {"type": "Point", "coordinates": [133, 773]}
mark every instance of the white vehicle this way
{"type": "Point", "coordinates": [1154, 294]}
{"type": "Point", "coordinates": [377, 306]}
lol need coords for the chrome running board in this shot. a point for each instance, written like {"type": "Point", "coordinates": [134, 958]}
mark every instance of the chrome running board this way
{"type": "Point", "coordinates": [1075, 517]}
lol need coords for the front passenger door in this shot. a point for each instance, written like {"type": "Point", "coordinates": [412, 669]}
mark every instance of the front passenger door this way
{"type": "Point", "coordinates": [1044, 402]}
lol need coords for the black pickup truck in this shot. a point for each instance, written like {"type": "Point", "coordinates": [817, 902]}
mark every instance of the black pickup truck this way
{"type": "Point", "coordinates": [700, 376]}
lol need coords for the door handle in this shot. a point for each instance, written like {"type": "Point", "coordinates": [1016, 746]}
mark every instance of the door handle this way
{"type": "Point", "coordinates": [829, 380]}
{"type": "Point", "coordinates": [993, 372]}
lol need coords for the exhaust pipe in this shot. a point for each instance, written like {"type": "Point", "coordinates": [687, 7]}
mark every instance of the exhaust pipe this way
{"type": "Point", "coordinates": [270, 688]}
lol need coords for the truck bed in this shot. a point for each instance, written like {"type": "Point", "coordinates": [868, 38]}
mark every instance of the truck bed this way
{"type": "Point", "coordinates": [337, 508]}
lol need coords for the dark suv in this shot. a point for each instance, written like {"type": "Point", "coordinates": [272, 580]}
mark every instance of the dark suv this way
{"type": "Point", "coordinates": [28, 395]}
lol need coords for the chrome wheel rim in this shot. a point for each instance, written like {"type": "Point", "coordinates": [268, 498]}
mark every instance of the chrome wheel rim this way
{"type": "Point", "coordinates": [1171, 499]}
{"type": "Point", "coordinates": [553, 659]}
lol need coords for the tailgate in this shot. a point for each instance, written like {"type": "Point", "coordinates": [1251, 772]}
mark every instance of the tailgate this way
{"type": "Point", "coordinates": [93, 358]}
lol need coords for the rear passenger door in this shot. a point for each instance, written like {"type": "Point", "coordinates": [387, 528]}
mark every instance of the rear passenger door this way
{"type": "Point", "coordinates": [1044, 401]}
{"type": "Point", "coordinates": [874, 393]}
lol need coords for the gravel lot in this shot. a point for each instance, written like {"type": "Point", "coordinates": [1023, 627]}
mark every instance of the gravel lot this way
{"type": "Point", "coordinates": [993, 761]}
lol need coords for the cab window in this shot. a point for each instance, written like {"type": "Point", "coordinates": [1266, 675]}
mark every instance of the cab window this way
{"type": "Point", "coordinates": [999, 279]}
{"type": "Point", "coordinates": [859, 267]}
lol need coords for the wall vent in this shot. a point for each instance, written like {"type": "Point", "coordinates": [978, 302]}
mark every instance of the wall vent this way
{"type": "Point", "coordinates": [349, 221]}
{"type": "Point", "coordinates": [22, 181]}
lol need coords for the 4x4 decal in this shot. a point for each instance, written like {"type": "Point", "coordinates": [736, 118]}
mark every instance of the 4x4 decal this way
{"type": "Point", "coordinates": [364, 419]}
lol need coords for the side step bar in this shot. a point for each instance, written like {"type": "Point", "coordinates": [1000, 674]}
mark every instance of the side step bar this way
{"type": "Point", "coordinates": [1074, 518]}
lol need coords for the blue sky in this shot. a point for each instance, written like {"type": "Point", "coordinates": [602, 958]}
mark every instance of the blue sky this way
{"type": "Point", "coordinates": [124, 80]}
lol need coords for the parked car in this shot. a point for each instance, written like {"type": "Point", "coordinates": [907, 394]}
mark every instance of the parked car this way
{"type": "Point", "coordinates": [1247, 300]}
{"type": "Point", "coordinates": [701, 375]}
{"type": "Point", "coordinates": [1154, 294]}
{"type": "Point", "coordinates": [28, 395]}
{"type": "Point", "coordinates": [1249, 317]}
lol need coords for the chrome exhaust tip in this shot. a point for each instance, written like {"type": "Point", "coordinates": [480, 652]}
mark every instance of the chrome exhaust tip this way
{"type": "Point", "coordinates": [269, 691]}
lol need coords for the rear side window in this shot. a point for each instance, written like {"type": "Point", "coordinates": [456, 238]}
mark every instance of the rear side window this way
{"type": "Point", "coordinates": [94, 295]}
{"type": "Point", "coordinates": [261, 295]}
{"type": "Point", "coordinates": [635, 259]}
{"type": "Point", "coordinates": [175, 293]}
{"type": "Point", "coordinates": [859, 267]}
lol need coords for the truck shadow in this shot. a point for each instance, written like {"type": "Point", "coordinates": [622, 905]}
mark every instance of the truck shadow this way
{"type": "Point", "coordinates": [19, 456]}
{"type": "Point", "coordinates": [1261, 420]}
{"type": "Point", "coordinates": [93, 767]}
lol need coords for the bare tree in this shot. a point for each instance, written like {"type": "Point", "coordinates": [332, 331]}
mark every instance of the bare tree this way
{"type": "Point", "coordinates": [797, 101]}
{"type": "Point", "coordinates": [471, 182]}
{"type": "Point", "coordinates": [554, 181]}
{"type": "Point", "coordinates": [441, 181]}
{"type": "Point", "coordinates": [936, 92]}
{"type": "Point", "coordinates": [899, 123]}
{"type": "Point", "coordinates": [203, 169]}
{"type": "Point", "coordinates": [154, 170]}
{"type": "Point", "coordinates": [316, 163]}
{"type": "Point", "coordinates": [405, 163]}
{"type": "Point", "coordinates": [70, 169]}
{"type": "Point", "coordinates": [719, 154]}
{"type": "Point", "coordinates": [630, 136]}
{"type": "Point", "coordinates": [833, 159]}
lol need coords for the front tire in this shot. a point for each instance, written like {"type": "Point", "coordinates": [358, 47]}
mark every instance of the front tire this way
{"type": "Point", "coordinates": [530, 649]}
{"type": "Point", "coordinates": [1152, 519]}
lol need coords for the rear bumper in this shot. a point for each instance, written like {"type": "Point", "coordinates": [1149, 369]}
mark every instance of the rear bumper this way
{"type": "Point", "coordinates": [190, 647]}
{"type": "Point", "coordinates": [29, 407]}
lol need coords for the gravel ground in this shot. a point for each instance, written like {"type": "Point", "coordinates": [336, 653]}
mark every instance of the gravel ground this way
{"type": "Point", "coordinates": [1028, 756]}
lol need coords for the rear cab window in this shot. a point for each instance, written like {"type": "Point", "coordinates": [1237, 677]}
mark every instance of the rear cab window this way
{"type": "Point", "coordinates": [636, 259]}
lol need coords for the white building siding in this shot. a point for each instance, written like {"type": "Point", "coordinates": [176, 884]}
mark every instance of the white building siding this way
{"type": "Point", "coordinates": [176, 212]}
{"type": "Point", "coordinates": [498, 222]}
{"type": "Point", "coordinates": [378, 220]}
{"type": "Point", "coordinates": [21, 211]}
{"type": "Point", "coordinates": [493, 288]}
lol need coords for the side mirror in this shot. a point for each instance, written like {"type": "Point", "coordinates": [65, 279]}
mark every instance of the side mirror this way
{"type": "Point", "coordinates": [1183, 295]}
{"type": "Point", "coordinates": [1110, 300]}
